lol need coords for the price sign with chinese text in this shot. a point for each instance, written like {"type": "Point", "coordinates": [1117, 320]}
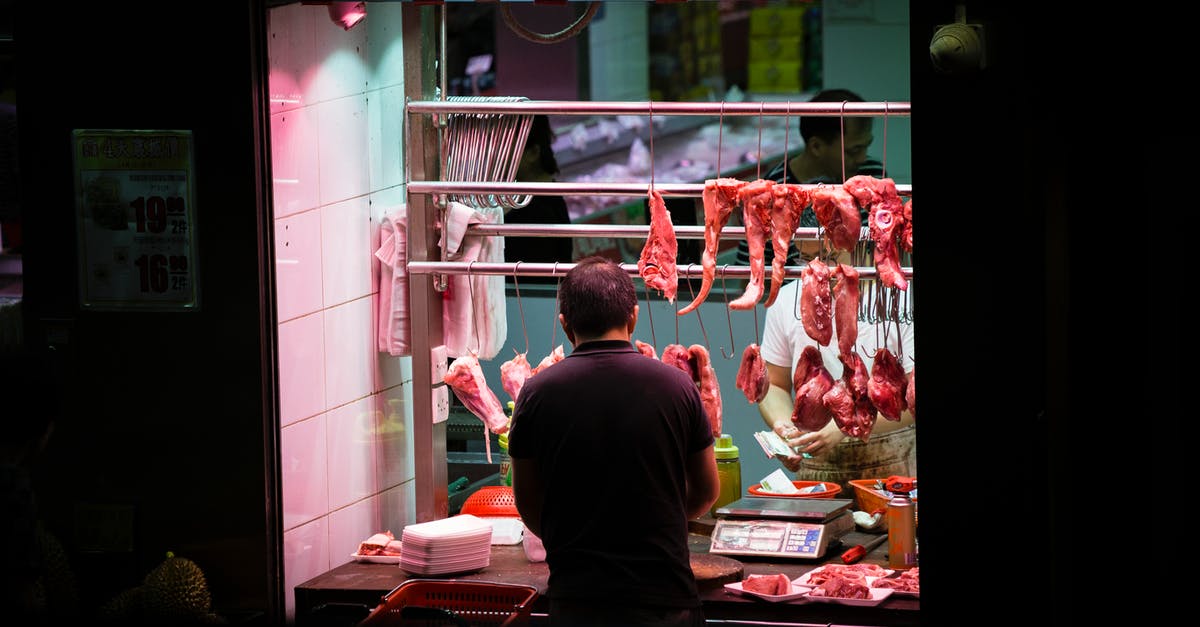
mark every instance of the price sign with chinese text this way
{"type": "Point", "coordinates": [136, 212]}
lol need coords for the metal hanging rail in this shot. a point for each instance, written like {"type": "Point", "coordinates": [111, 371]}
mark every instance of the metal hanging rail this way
{"type": "Point", "coordinates": [576, 189]}
{"type": "Point", "coordinates": [690, 270]}
{"type": "Point", "coordinates": [594, 107]}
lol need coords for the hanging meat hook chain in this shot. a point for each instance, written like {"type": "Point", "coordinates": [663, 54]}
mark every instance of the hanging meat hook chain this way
{"type": "Point", "coordinates": [692, 291]}
{"type": "Point", "coordinates": [728, 317]}
{"type": "Point", "coordinates": [520, 307]}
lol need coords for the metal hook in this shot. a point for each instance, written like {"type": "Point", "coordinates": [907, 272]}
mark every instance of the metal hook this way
{"type": "Point", "coordinates": [842, 126]}
{"type": "Point", "coordinates": [796, 305]}
{"type": "Point", "coordinates": [761, 106]}
{"type": "Point", "coordinates": [650, 106]}
{"type": "Point", "coordinates": [728, 317]}
{"type": "Point", "coordinates": [698, 318]}
{"type": "Point", "coordinates": [886, 109]}
{"type": "Point", "coordinates": [720, 137]}
{"type": "Point", "coordinates": [520, 307]}
{"type": "Point", "coordinates": [554, 314]}
{"type": "Point", "coordinates": [650, 315]}
{"type": "Point", "coordinates": [474, 309]}
{"type": "Point", "coordinates": [787, 129]}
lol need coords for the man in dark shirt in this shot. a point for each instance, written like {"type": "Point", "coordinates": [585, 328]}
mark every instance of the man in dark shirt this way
{"type": "Point", "coordinates": [612, 455]}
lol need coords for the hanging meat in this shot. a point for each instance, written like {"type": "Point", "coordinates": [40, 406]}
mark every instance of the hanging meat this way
{"type": "Point", "coordinates": [885, 217]}
{"type": "Point", "coordinates": [850, 402]}
{"type": "Point", "coordinates": [657, 262]}
{"type": "Point", "coordinates": [757, 199]}
{"type": "Point", "coordinates": [696, 362]}
{"type": "Point", "coordinates": [816, 302]}
{"type": "Point", "coordinates": [910, 392]}
{"type": "Point", "coordinates": [752, 377]}
{"type": "Point", "coordinates": [720, 197]}
{"type": "Point", "coordinates": [811, 381]}
{"type": "Point", "coordinates": [906, 233]}
{"type": "Point", "coordinates": [554, 357]}
{"type": "Point", "coordinates": [710, 388]}
{"type": "Point", "coordinates": [465, 377]}
{"type": "Point", "coordinates": [677, 355]}
{"type": "Point", "coordinates": [886, 386]}
{"type": "Point", "coordinates": [790, 202]}
{"type": "Point", "coordinates": [836, 212]}
{"type": "Point", "coordinates": [646, 349]}
{"type": "Point", "coordinates": [845, 306]}
{"type": "Point", "coordinates": [513, 374]}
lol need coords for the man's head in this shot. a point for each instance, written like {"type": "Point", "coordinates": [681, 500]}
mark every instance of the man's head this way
{"type": "Point", "coordinates": [823, 137]}
{"type": "Point", "coordinates": [597, 299]}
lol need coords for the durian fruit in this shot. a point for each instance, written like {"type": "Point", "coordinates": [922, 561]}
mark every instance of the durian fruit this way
{"type": "Point", "coordinates": [176, 591]}
{"type": "Point", "coordinates": [123, 609]}
{"type": "Point", "coordinates": [58, 580]}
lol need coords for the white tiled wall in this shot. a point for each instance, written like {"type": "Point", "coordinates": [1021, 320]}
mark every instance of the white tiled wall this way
{"type": "Point", "coordinates": [337, 103]}
{"type": "Point", "coordinates": [617, 50]}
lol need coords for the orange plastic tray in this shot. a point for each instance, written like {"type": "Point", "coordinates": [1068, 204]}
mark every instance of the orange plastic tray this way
{"type": "Point", "coordinates": [442, 601]}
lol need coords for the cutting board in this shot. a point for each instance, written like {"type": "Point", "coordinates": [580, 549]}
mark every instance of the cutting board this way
{"type": "Point", "coordinates": [714, 571]}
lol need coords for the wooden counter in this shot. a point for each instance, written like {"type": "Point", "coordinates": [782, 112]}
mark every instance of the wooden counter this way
{"type": "Point", "coordinates": [346, 593]}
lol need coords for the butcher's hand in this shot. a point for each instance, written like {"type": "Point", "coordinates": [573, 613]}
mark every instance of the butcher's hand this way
{"type": "Point", "coordinates": [791, 435]}
{"type": "Point", "coordinates": [817, 443]}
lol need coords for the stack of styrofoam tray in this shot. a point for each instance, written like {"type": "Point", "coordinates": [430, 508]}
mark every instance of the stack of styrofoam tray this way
{"type": "Point", "coordinates": [456, 544]}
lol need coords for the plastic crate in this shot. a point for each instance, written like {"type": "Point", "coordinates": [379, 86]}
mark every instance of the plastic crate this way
{"type": "Point", "coordinates": [454, 602]}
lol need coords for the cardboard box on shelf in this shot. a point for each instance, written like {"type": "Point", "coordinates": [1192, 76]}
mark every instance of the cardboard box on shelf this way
{"type": "Point", "coordinates": [775, 77]}
{"type": "Point", "coordinates": [776, 49]}
{"type": "Point", "coordinates": [776, 21]}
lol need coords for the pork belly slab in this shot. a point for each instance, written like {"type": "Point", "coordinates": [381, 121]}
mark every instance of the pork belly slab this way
{"type": "Point", "coordinates": [845, 306]}
{"type": "Point", "coordinates": [720, 197]}
{"type": "Point", "coordinates": [790, 202]}
{"type": "Point", "coordinates": [757, 199]}
{"type": "Point", "coordinates": [656, 265]}
{"type": "Point", "coordinates": [816, 302]}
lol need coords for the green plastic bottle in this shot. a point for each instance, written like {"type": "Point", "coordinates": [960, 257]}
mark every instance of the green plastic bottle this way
{"type": "Point", "coordinates": [729, 471]}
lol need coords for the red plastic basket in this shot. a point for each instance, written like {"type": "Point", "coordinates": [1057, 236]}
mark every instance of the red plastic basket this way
{"type": "Point", "coordinates": [491, 500]}
{"type": "Point", "coordinates": [454, 601]}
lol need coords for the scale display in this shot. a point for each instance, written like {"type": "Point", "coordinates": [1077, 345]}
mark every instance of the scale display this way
{"type": "Point", "coordinates": [777, 538]}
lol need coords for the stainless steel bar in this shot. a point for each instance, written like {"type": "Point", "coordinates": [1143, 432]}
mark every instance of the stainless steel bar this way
{"type": "Point", "coordinates": [630, 231]}
{"type": "Point", "coordinates": [600, 107]}
{"type": "Point", "coordinates": [557, 269]}
{"type": "Point", "coordinates": [425, 302]}
{"type": "Point", "coordinates": [574, 189]}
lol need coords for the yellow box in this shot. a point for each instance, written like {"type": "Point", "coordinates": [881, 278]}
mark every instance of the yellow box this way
{"type": "Point", "coordinates": [776, 21]}
{"type": "Point", "coordinates": [775, 77]}
{"type": "Point", "coordinates": [776, 49]}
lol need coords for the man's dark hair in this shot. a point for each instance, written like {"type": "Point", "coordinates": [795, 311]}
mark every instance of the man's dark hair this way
{"type": "Point", "coordinates": [542, 136]}
{"type": "Point", "coordinates": [596, 296]}
{"type": "Point", "coordinates": [827, 128]}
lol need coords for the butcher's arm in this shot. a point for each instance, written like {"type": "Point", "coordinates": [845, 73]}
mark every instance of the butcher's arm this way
{"type": "Point", "coordinates": [776, 410]}
{"type": "Point", "coordinates": [703, 483]}
{"type": "Point", "coordinates": [528, 490]}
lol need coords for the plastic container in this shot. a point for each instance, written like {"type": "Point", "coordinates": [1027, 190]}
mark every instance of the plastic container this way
{"type": "Point", "coordinates": [491, 500]}
{"type": "Point", "coordinates": [729, 471]}
{"type": "Point", "coordinates": [831, 489]}
{"type": "Point", "coordinates": [442, 602]}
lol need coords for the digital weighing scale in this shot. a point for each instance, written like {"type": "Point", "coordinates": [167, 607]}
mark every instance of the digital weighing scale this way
{"type": "Point", "coordinates": [781, 527]}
